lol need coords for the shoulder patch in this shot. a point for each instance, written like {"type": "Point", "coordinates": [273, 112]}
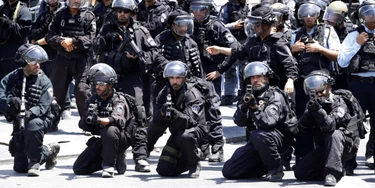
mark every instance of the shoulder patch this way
{"type": "Point", "coordinates": [163, 17]}
{"type": "Point", "coordinates": [230, 38]}
{"type": "Point", "coordinates": [50, 91]}
{"type": "Point", "coordinates": [195, 108]}
{"type": "Point", "coordinates": [341, 112]}
{"type": "Point", "coordinates": [119, 108]}
{"type": "Point", "coordinates": [151, 41]}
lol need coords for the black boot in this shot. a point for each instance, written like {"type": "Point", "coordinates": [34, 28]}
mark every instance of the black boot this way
{"type": "Point", "coordinates": [227, 100]}
{"type": "Point", "coordinates": [51, 161]}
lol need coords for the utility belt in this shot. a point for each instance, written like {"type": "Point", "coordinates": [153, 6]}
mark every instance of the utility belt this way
{"type": "Point", "coordinates": [363, 79]}
{"type": "Point", "coordinates": [70, 55]}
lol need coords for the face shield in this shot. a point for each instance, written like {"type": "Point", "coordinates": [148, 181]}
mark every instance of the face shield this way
{"type": "Point", "coordinates": [308, 10]}
{"type": "Point", "coordinates": [315, 83]}
{"type": "Point", "coordinates": [367, 14]}
{"type": "Point", "coordinates": [102, 72]}
{"type": "Point", "coordinates": [252, 25]}
{"type": "Point", "coordinates": [200, 12]}
{"type": "Point", "coordinates": [332, 16]}
{"type": "Point", "coordinates": [76, 3]}
{"type": "Point", "coordinates": [35, 54]}
{"type": "Point", "coordinates": [183, 25]}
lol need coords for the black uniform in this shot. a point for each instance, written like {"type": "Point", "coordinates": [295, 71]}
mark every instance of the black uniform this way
{"type": "Point", "coordinates": [154, 17]}
{"type": "Point", "coordinates": [114, 139]}
{"type": "Point", "coordinates": [81, 27]}
{"type": "Point", "coordinates": [267, 139]}
{"type": "Point", "coordinates": [274, 49]}
{"type": "Point", "coordinates": [14, 28]}
{"type": "Point", "coordinates": [335, 144]}
{"type": "Point", "coordinates": [213, 32]}
{"type": "Point", "coordinates": [27, 145]}
{"type": "Point", "coordinates": [230, 13]}
{"type": "Point", "coordinates": [101, 11]}
{"type": "Point", "coordinates": [187, 126]}
{"type": "Point", "coordinates": [130, 71]}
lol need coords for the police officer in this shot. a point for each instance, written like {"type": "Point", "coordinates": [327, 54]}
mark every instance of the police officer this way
{"type": "Point", "coordinates": [327, 116]}
{"type": "Point", "coordinates": [71, 33]}
{"type": "Point", "coordinates": [108, 113]}
{"type": "Point", "coordinates": [315, 46]}
{"type": "Point", "coordinates": [356, 54]}
{"type": "Point", "coordinates": [180, 106]}
{"type": "Point", "coordinates": [282, 12]}
{"type": "Point", "coordinates": [267, 45]}
{"type": "Point", "coordinates": [25, 96]}
{"type": "Point", "coordinates": [262, 110]}
{"type": "Point", "coordinates": [125, 45]}
{"type": "Point", "coordinates": [233, 15]}
{"type": "Point", "coordinates": [101, 10]}
{"type": "Point", "coordinates": [15, 23]}
{"type": "Point", "coordinates": [152, 14]}
{"type": "Point", "coordinates": [209, 31]}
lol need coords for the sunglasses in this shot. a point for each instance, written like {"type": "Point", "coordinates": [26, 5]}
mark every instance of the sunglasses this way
{"type": "Point", "coordinates": [101, 83]}
{"type": "Point", "coordinates": [122, 10]}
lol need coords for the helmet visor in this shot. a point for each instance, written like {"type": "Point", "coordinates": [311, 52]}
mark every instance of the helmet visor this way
{"type": "Point", "coordinates": [308, 10]}
{"type": "Point", "coordinates": [315, 83]}
{"type": "Point", "coordinates": [200, 12]}
{"type": "Point", "coordinates": [367, 14]}
{"type": "Point", "coordinates": [34, 55]}
{"type": "Point", "coordinates": [332, 16]}
{"type": "Point", "coordinates": [183, 25]}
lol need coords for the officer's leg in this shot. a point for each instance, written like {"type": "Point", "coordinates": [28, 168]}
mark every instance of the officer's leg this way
{"type": "Point", "coordinates": [132, 84]}
{"type": "Point", "coordinates": [244, 163]}
{"type": "Point", "coordinates": [17, 150]}
{"type": "Point", "coordinates": [147, 96]}
{"type": "Point", "coordinates": [154, 132]}
{"type": "Point", "coordinates": [81, 89]}
{"type": "Point", "coordinates": [215, 135]}
{"type": "Point", "coordinates": [170, 161]}
{"type": "Point", "coordinates": [60, 78]}
{"type": "Point", "coordinates": [89, 161]}
{"type": "Point", "coordinates": [34, 134]}
{"type": "Point", "coordinates": [230, 85]}
{"type": "Point", "coordinates": [110, 137]}
{"type": "Point", "coordinates": [311, 166]}
{"type": "Point", "coordinates": [370, 143]}
{"type": "Point", "coordinates": [334, 148]}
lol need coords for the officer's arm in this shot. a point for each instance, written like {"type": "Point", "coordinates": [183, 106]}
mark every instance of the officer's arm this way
{"type": "Point", "coordinates": [271, 115]}
{"type": "Point", "coordinates": [149, 46]}
{"type": "Point", "coordinates": [230, 41]}
{"type": "Point", "coordinates": [21, 28]}
{"type": "Point", "coordinates": [45, 100]}
{"type": "Point", "coordinates": [284, 55]}
{"type": "Point", "coordinates": [119, 115]}
{"type": "Point", "coordinates": [331, 51]}
{"type": "Point", "coordinates": [159, 61]}
{"type": "Point", "coordinates": [349, 48]}
{"type": "Point", "coordinates": [306, 121]}
{"type": "Point", "coordinates": [242, 51]}
{"type": "Point", "coordinates": [241, 117]}
{"type": "Point", "coordinates": [34, 34]}
{"type": "Point", "coordinates": [160, 100]}
{"type": "Point", "coordinates": [83, 43]}
{"type": "Point", "coordinates": [193, 115]}
{"type": "Point", "coordinates": [4, 92]}
{"type": "Point", "coordinates": [53, 37]}
{"type": "Point", "coordinates": [102, 43]}
{"type": "Point", "coordinates": [329, 122]}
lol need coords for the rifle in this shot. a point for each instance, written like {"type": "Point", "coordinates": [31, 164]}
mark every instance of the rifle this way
{"type": "Point", "coordinates": [249, 92]}
{"type": "Point", "coordinates": [169, 106]}
{"type": "Point", "coordinates": [312, 98]}
{"type": "Point", "coordinates": [93, 109]}
{"type": "Point", "coordinates": [21, 118]}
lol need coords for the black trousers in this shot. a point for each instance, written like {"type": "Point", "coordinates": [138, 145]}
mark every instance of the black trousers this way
{"type": "Point", "coordinates": [260, 155]}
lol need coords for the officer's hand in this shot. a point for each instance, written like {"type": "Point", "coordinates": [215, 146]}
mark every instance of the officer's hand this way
{"type": "Point", "coordinates": [289, 86]}
{"type": "Point", "coordinates": [163, 109]}
{"type": "Point", "coordinates": [6, 21]}
{"type": "Point", "coordinates": [313, 47]}
{"type": "Point", "coordinates": [213, 75]}
{"type": "Point", "coordinates": [239, 24]}
{"type": "Point", "coordinates": [15, 105]}
{"type": "Point", "coordinates": [35, 92]}
{"type": "Point", "coordinates": [130, 56]}
{"type": "Point", "coordinates": [298, 46]}
{"type": "Point", "coordinates": [362, 38]}
{"type": "Point", "coordinates": [67, 42]}
{"type": "Point", "coordinates": [213, 50]}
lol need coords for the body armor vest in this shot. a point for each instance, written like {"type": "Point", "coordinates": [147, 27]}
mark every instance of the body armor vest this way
{"type": "Point", "coordinates": [366, 53]}
{"type": "Point", "coordinates": [236, 13]}
{"type": "Point", "coordinates": [308, 62]}
{"type": "Point", "coordinates": [72, 26]}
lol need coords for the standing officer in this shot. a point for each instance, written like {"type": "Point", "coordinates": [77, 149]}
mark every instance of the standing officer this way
{"type": "Point", "coordinates": [25, 96]}
{"type": "Point", "coordinates": [357, 54]}
{"type": "Point", "coordinates": [109, 114]}
{"type": "Point", "coordinates": [233, 15]}
{"type": "Point", "coordinates": [327, 117]}
{"type": "Point", "coordinates": [262, 110]}
{"type": "Point", "coordinates": [71, 33]}
{"type": "Point", "coordinates": [315, 46]}
{"type": "Point", "coordinates": [209, 31]}
{"type": "Point", "coordinates": [153, 14]}
{"type": "Point", "coordinates": [15, 23]}
{"type": "Point", "coordinates": [101, 11]}
{"type": "Point", "coordinates": [117, 45]}
{"type": "Point", "coordinates": [180, 106]}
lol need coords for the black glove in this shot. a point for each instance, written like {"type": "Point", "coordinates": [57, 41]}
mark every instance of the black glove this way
{"type": "Point", "coordinates": [112, 37]}
{"type": "Point", "coordinates": [15, 105]}
{"type": "Point", "coordinates": [35, 92]}
{"type": "Point", "coordinates": [6, 21]}
{"type": "Point", "coordinates": [314, 105]}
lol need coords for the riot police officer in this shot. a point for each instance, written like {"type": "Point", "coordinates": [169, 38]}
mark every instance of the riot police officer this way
{"type": "Point", "coordinates": [282, 12]}
{"type": "Point", "coordinates": [262, 109]}
{"type": "Point", "coordinates": [101, 11]}
{"type": "Point", "coordinates": [71, 33]}
{"type": "Point", "coordinates": [108, 113]}
{"type": "Point", "coordinates": [180, 106]}
{"type": "Point", "coordinates": [356, 54]}
{"type": "Point", "coordinates": [209, 31]}
{"type": "Point", "coordinates": [152, 14]}
{"type": "Point", "coordinates": [26, 96]}
{"type": "Point", "coordinates": [15, 23]}
{"type": "Point", "coordinates": [327, 116]}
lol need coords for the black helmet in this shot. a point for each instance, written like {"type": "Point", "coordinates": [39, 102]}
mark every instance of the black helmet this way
{"type": "Point", "coordinates": [260, 14]}
{"type": "Point", "coordinates": [175, 68]}
{"type": "Point", "coordinates": [200, 5]}
{"type": "Point", "coordinates": [102, 72]}
{"type": "Point", "coordinates": [256, 68]}
{"type": "Point", "coordinates": [317, 81]}
{"type": "Point", "coordinates": [30, 54]}
{"type": "Point", "coordinates": [182, 19]}
{"type": "Point", "coordinates": [124, 4]}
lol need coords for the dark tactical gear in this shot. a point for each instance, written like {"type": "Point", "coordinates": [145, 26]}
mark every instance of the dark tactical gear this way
{"type": "Point", "coordinates": [336, 140]}
{"type": "Point", "coordinates": [14, 28]}
{"type": "Point", "coordinates": [154, 17]}
{"type": "Point", "coordinates": [27, 145]}
{"type": "Point", "coordinates": [229, 13]}
{"type": "Point", "coordinates": [268, 139]}
{"type": "Point", "coordinates": [82, 28]}
{"type": "Point", "coordinates": [188, 116]}
{"type": "Point", "coordinates": [101, 12]}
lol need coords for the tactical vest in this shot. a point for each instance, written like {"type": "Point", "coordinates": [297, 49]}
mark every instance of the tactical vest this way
{"type": "Point", "coordinates": [72, 26]}
{"type": "Point", "coordinates": [366, 54]}
{"type": "Point", "coordinates": [13, 13]}
{"type": "Point", "coordinates": [128, 65]}
{"type": "Point", "coordinates": [45, 19]}
{"type": "Point", "coordinates": [345, 31]}
{"type": "Point", "coordinates": [308, 62]}
{"type": "Point", "coordinates": [236, 13]}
